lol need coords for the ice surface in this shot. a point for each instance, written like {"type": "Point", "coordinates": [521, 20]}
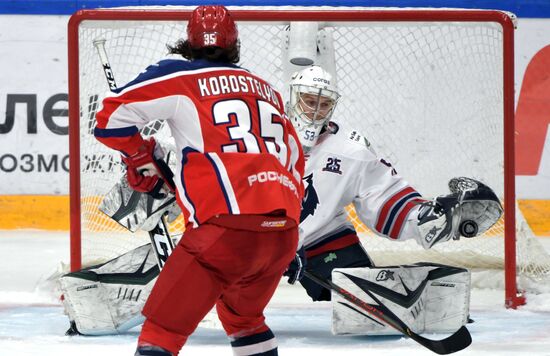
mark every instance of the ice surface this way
{"type": "Point", "coordinates": [32, 320]}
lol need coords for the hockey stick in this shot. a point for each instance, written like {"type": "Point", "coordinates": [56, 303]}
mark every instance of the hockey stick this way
{"type": "Point", "coordinates": [160, 239]}
{"type": "Point", "coordinates": [456, 342]}
{"type": "Point", "coordinates": [107, 70]}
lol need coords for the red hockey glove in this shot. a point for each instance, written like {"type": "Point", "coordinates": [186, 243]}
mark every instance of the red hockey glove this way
{"type": "Point", "coordinates": [146, 173]}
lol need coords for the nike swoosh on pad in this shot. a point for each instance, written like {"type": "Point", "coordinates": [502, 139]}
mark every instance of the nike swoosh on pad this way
{"type": "Point", "coordinates": [139, 277]}
{"type": "Point", "coordinates": [406, 301]}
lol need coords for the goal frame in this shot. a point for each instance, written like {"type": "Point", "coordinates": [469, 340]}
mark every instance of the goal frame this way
{"type": "Point", "coordinates": [513, 297]}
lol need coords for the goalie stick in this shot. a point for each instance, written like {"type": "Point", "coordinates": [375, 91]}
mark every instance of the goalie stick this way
{"type": "Point", "coordinates": [160, 239]}
{"type": "Point", "coordinates": [456, 342]}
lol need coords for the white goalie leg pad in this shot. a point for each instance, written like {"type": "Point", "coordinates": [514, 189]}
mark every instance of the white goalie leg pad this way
{"type": "Point", "coordinates": [108, 299]}
{"type": "Point", "coordinates": [428, 298]}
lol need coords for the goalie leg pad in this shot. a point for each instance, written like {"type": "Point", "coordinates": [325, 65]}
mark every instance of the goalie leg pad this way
{"type": "Point", "coordinates": [426, 297]}
{"type": "Point", "coordinates": [108, 298]}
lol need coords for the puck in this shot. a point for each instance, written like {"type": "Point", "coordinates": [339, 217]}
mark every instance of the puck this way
{"type": "Point", "coordinates": [468, 228]}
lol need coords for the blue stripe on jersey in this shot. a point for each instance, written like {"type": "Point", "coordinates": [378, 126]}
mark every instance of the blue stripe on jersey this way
{"type": "Point", "coordinates": [120, 132]}
{"type": "Point", "coordinates": [184, 153]}
{"type": "Point", "coordinates": [220, 182]}
{"type": "Point", "coordinates": [253, 339]}
{"type": "Point", "coordinates": [395, 210]}
{"type": "Point", "coordinates": [169, 66]}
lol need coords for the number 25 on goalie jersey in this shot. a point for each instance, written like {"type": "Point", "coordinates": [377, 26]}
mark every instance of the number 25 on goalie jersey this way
{"type": "Point", "coordinates": [237, 151]}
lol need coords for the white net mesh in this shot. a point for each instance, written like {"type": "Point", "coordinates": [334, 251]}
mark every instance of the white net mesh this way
{"type": "Point", "coordinates": [428, 95]}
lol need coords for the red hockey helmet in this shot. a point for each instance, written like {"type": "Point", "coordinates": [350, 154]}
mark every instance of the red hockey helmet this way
{"type": "Point", "coordinates": [211, 26]}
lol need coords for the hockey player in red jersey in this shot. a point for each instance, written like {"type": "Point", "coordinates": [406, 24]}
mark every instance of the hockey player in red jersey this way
{"type": "Point", "coordinates": [238, 182]}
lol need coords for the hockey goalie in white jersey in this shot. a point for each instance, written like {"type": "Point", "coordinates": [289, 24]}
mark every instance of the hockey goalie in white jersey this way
{"type": "Point", "coordinates": [343, 169]}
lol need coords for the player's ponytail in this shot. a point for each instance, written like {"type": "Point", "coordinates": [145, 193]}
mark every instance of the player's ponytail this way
{"type": "Point", "coordinates": [214, 54]}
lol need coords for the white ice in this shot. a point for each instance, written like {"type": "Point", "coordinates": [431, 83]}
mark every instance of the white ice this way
{"type": "Point", "coordinates": [32, 320]}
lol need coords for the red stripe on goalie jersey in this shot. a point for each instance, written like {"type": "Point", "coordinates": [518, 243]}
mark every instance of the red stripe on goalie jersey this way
{"type": "Point", "coordinates": [399, 221]}
{"type": "Point", "coordinates": [222, 183]}
{"type": "Point", "coordinates": [388, 219]}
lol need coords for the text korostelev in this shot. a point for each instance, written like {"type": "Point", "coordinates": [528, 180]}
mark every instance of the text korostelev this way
{"type": "Point", "coordinates": [236, 84]}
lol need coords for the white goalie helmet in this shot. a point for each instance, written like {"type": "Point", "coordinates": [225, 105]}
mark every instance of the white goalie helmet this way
{"type": "Point", "coordinates": [313, 98]}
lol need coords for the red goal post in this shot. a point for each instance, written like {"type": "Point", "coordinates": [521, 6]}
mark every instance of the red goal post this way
{"type": "Point", "coordinates": [83, 102]}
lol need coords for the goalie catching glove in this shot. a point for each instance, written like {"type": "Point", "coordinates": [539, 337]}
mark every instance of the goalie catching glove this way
{"type": "Point", "coordinates": [146, 172]}
{"type": "Point", "coordinates": [470, 210]}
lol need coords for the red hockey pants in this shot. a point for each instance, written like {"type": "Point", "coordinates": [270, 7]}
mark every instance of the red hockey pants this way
{"type": "Point", "coordinates": [236, 270]}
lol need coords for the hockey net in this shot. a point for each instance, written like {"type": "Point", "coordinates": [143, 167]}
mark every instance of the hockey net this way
{"type": "Point", "coordinates": [432, 90]}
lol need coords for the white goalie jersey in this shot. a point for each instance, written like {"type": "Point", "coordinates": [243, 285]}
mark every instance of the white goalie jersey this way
{"type": "Point", "coordinates": [343, 169]}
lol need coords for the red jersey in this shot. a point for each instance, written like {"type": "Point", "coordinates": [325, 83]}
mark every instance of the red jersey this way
{"type": "Point", "coordinates": [237, 151]}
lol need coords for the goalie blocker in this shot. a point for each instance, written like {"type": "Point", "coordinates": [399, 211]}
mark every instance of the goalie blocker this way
{"type": "Point", "coordinates": [428, 298]}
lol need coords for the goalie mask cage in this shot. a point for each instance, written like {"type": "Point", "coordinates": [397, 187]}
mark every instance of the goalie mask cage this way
{"type": "Point", "coordinates": [432, 90]}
